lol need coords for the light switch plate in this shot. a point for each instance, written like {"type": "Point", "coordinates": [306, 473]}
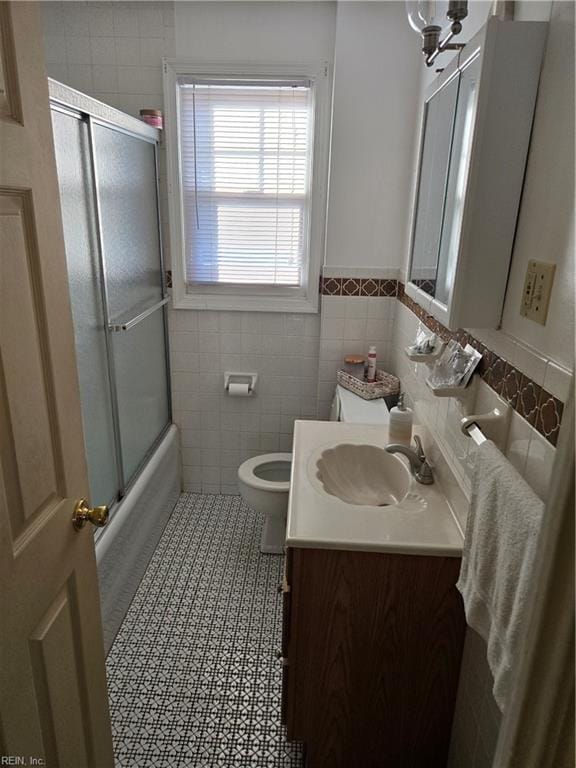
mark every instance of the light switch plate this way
{"type": "Point", "coordinates": [537, 289]}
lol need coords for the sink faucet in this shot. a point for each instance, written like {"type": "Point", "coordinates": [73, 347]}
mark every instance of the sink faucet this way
{"type": "Point", "coordinates": [421, 470]}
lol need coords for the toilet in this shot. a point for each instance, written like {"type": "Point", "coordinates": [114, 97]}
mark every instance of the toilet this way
{"type": "Point", "coordinates": [264, 485]}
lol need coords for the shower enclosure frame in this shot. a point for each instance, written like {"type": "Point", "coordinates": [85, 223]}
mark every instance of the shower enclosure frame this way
{"type": "Point", "coordinates": [92, 112]}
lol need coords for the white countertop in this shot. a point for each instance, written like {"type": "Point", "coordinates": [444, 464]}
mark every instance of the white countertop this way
{"type": "Point", "coordinates": [421, 524]}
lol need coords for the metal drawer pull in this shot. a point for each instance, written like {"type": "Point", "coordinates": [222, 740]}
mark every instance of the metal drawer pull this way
{"type": "Point", "coordinates": [116, 327]}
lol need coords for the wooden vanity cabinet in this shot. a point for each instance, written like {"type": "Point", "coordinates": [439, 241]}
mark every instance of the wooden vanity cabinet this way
{"type": "Point", "coordinates": [372, 644]}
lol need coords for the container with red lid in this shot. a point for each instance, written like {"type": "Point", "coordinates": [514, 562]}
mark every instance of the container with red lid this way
{"type": "Point", "coordinates": [153, 117]}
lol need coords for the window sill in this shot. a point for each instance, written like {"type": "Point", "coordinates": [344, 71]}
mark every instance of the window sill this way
{"type": "Point", "coordinates": [302, 304]}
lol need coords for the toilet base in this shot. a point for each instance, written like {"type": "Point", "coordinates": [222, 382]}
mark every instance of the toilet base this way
{"type": "Point", "coordinates": [273, 535]}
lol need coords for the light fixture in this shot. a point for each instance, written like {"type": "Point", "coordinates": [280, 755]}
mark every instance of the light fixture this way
{"type": "Point", "coordinates": [424, 18]}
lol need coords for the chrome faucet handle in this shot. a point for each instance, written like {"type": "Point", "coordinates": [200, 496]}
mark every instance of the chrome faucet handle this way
{"type": "Point", "coordinates": [419, 448]}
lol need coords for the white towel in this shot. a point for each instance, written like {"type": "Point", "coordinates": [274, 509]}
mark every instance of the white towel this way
{"type": "Point", "coordinates": [497, 563]}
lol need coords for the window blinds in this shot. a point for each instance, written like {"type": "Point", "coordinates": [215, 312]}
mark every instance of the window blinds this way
{"type": "Point", "coordinates": [245, 153]}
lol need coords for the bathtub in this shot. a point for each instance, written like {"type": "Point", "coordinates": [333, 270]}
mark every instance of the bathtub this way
{"type": "Point", "coordinates": [125, 546]}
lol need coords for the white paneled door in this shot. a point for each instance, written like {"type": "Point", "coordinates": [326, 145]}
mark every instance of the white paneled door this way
{"type": "Point", "coordinates": [53, 699]}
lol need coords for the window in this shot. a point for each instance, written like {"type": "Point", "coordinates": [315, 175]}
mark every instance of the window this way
{"type": "Point", "coordinates": [247, 189]}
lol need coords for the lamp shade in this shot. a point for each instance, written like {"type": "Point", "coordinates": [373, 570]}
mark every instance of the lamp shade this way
{"type": "Point", "coordinates": [423, 13]}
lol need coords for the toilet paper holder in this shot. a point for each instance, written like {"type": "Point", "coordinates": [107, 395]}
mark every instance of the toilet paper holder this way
{"type": "Point", "coordinates": [232, 377]}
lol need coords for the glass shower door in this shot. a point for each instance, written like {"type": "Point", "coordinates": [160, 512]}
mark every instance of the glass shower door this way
{"type": "Point", "coordinates": [125, 169]}
{"type": "Point", "coordinates": [71, 140]}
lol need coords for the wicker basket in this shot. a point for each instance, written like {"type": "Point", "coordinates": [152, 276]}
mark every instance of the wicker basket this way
{"type": "Point", "coordinates": [385, 384]}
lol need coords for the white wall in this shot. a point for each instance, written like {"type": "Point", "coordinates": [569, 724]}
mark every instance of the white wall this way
{"type": "Point", "coordinates": [255, 31]}
{"type": "Point", "coordinates": [376, 80]}
{"type": "Point", "coordinates": [546, 222]}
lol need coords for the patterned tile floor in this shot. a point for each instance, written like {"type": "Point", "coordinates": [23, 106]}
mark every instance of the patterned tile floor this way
{"type": "Point", "coordinates": [193, 676]}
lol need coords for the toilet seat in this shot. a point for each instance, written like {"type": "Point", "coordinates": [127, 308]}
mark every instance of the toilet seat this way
{"type": "Point", "coordinates": [247, 472]}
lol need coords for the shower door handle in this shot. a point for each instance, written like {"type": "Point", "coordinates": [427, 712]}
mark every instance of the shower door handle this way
{"type": "Point", "coordinates": [128, 324]}
{"type": "Point", "coordinates": [84, 513]}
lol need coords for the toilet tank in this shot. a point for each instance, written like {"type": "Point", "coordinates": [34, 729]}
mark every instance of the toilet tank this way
{"type": "Point", "coordinates": [346, 406]}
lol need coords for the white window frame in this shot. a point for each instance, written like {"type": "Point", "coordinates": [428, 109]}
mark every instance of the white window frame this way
{"type": "Point", "coordinates": [259, 298]}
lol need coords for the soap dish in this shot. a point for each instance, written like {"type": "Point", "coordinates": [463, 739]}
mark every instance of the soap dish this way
{"type": "Point", "coordinates": [465, 395]}
{"type": "Point", "coordinates": [428, 358]}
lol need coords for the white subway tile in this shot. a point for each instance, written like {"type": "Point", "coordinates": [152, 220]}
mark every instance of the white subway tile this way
{"type": "Point", "coordinates": [357, 307]}
{"type": "Point", "coordinates": [518, 442]}
{"type": "Point", "coordinates": [269, 442]}
{"type": "Point", "coordinates": [295, 325]}
{"type": "Point", "coordinates": [76, 20]}
{"type": "Point", "coordinates": [291, 405]}
{"type": "Point", "coordinates": [105, 79]}
{"type": "Point", "coordinates": [333, 306]}
{"type": "Point", "coordinates": [103, 51]}
{"type": "Point", "coordinates": [101, 21]}
{"type": "Point", "coordinates": [354, 347]}
{"type": "Point", "coordinates": [208, 321]}
{"type": "Point", "coordinates": [126, 20]}
{"type": "Point", "coordinates": [78, 50]}
{"type": "Point", "coordinates": [58, 72]}
{"type": "Point", "coordinates": [270, 422]}
{"type": "Point", "coordinates": [285, 443]}
{"type": "Point", "coordinates": [187, 419]}
{"type": "Point", "coordinates": [529, 362]}
{"type": "Point", "coordinates": [209, 362]}
{"type": "Point", "coordinates": [251, 323]}
{"type": "Point", "coordinates": [287, 424]}
{"type": "Point", "coordinates": [128, 52]}
{"type": "Point", "coordinates": [250, 422]}
{"type": "Point", "coordinates": [557, 381]}
{"type": "Point", "coordinates": [377, 308]}
{"type": "Point", "coordinates": [332, 328]}
{"type": "Point", "coordinates": [150, 20]}
{"type": "Point", "coordinates": [539, 462]}
{"type": "Point", "coordinates": [80, 77]}
{"type": "Point", "coordinates": [354, 329]}
{"type": "Point", "coordinates": [250, 343]}
{"type": "Point", "coordinates": [55, 47]}
{"type": "Point", "coordinates": [52, 18]}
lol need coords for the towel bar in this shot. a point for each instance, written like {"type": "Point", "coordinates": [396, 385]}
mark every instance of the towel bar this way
{"type": "Point", "coordinates": [495, 422]}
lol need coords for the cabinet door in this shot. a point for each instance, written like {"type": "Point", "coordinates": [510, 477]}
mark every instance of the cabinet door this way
{"type": "Point", "coordinates": [457, 180]}
{"type": "Point", "coordinates": [437, 130]}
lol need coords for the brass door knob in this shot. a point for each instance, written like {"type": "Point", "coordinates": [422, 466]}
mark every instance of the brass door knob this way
{"type": "Point", "coordinates": [84, 513]}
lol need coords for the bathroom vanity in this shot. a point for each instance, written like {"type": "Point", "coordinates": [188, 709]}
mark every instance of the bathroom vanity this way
{"type": "Point", "coordinates": [373, 625]}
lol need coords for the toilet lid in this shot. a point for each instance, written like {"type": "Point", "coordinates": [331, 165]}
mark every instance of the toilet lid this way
{"type": "Point", "coordinates": [247, 472]}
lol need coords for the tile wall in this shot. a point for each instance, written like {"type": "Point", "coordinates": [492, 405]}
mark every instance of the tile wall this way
{"type": "Point", "coordinates": [110, 50]}
{"type": "Point", "coordinates": [218, 431]}
{"type": "Point", "coordinates": [533, 385]}
{"type": "Point", "coordinates": [357, 311]}
{"type": "Point", "coordinates": [113, 52]}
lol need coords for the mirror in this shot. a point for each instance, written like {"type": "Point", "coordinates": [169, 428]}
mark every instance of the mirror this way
{"type": "Point", "coordinates": [456, 183]}
{"type": "Point", "coordinates": [437, 131]}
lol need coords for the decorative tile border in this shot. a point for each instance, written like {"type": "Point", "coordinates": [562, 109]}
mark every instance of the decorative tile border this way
{"type": "Point", "coordinates": [358, 286]}
{"type": "Point", "coordinates": [538, 407]}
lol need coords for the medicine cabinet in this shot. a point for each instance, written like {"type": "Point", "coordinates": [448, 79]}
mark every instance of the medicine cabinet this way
{"type": "Point", "coordinates": [475, 134]}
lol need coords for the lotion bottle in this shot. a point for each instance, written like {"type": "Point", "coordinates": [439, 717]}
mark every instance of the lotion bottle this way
{"type": "Point", "coordinates": [400, 426]}
{"type": "Point", "coordinates": [371, 370]}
